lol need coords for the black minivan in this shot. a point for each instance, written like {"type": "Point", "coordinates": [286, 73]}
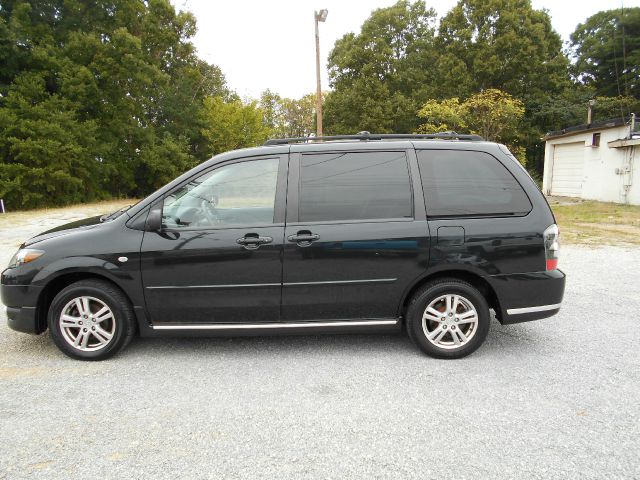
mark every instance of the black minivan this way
{"type": "Point", "coordinates": [361, 233]}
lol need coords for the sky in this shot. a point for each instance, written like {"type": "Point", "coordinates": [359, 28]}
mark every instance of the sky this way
{"type": "Point", "coordinates": [262, 44]}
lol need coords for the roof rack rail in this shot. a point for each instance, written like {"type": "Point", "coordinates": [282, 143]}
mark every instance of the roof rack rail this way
{"type": "Point", "coordinates": [374, 136]}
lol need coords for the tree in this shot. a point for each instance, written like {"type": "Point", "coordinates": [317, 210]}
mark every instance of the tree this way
{"type": "Point", "coordinates": [288, 117]}
{"type": "Point", "coordinates": [298, 116]}
{"type": "Point", "coordinates": [48, 148]}
{"type": "Point", "coordinates": [493, 114]}
{"type": "Point", "coordinates": [98, 98]}
{"type": "Point", "coordinates": [271, 105]}
{"type": "Point", "coordinates": [503, 44]}
{"type": "Point", "coordinates": [606, 49]}
{"type": "Point", "coordinates": [571, 108]}
{"type": "Point", "coordinates": [231, 125]}
{"type": "Point", "coordinates": [506, 45]}
{"type": "Point", "coordinates": [382, 75]}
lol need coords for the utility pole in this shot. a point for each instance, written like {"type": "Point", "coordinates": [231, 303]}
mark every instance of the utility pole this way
{"type": "Point", "coordinates": [592, 102]}
{"type": "Point", "coordinates": [320, 16]}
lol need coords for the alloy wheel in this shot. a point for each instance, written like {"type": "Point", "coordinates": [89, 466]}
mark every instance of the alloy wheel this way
{"type": "Point", "coordinates": [450, 321]}
{"type": "Point", "coordinates": [87, 324]}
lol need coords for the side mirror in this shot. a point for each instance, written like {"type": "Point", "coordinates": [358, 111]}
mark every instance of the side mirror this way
{"type": "Point", "coordinates": [154, 219]}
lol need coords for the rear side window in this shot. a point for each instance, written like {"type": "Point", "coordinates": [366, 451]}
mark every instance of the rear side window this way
{"type": "Point", "coordinates": [465, 183]}
{"type": "Point", "coordinates": [354, 186]}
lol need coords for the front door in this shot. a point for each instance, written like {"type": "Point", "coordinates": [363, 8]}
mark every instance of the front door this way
{"type": "Point", "coordinates": [354, 244]}
{"type": "Point", "coordinates": [217, 258]}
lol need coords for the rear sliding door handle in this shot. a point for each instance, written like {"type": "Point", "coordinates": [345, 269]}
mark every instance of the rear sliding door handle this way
{"type": "Point", "coordinates": [303, 239]}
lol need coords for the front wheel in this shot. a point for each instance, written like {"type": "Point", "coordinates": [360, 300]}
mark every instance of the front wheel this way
{"type": "Point", "coordinates": [91, 320]}
{"type": "Point", "coordinates": [448, 318]}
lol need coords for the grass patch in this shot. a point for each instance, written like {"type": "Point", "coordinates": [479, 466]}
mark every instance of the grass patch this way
{"type": "Point", "coordinates": [596, 223]}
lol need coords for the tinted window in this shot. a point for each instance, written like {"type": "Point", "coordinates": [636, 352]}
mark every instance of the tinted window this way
{"type": "Point", "coordinates": [354, 186]}
{"type": "Point", "coordinates": [469, 183]}
{"type": "Point", "coordinates": [238, 194]}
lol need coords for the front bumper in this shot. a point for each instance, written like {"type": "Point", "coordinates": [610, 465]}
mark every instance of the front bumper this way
{"type": "Point", "coordinates": [21, 302]}
{"type": "Point", "coordinates": [23, 319]}
{"type": "Point", "coordinates": [528, 296]}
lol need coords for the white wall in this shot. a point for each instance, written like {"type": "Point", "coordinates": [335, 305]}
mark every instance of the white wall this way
{"type": "Point", "coordinates": [600, 181]}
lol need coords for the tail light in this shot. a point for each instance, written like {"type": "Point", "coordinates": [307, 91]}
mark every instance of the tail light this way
{"type": "Point", "coordinates": [552, 246]}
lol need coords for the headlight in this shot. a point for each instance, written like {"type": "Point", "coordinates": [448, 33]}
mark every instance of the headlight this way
{"type": "Point", "coordinates": [25, 255]}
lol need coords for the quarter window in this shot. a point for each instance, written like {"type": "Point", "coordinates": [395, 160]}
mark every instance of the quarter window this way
{"type": "Point", "coordinates": [467, 183]}
{"type": "Point", "coordinates": [354, 186]}
{"type": "Point", "coordinates": [239, 194]}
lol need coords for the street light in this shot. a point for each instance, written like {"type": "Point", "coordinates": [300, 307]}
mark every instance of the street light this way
{"type": "Point", "coordinates": [320, 16]}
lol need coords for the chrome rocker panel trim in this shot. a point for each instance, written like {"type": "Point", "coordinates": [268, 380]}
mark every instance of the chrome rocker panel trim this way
{"type": "Point", "coordinates": [272, 326]}
{"type": "Point", "coordinates": [540, 308]}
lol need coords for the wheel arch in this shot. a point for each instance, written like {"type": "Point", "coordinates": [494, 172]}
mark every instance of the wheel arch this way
{"type": "Point", "coordinates": [57, 284]}
{"type": "Point", "coordinates": [470, 277]}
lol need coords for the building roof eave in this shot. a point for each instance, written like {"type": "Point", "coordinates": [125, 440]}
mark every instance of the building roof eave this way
{"type": "Point", "coordinates": [624, 142]}
{"type": "Point", "coordinates": [578, 129]}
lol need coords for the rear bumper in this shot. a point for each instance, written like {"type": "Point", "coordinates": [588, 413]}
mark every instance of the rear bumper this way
{"type": "Point", "coordinates": [528, 296]}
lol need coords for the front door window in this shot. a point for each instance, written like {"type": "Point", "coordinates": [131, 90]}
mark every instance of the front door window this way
{"type": "Point", "coordinates": [234, 195]}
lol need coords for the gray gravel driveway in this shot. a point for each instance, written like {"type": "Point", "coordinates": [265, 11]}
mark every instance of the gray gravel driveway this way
{"type": "Point", "coordinates": [557, 398]}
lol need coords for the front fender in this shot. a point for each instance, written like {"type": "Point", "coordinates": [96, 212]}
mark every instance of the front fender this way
{"type": "Point", "coordinates": [125, 275]}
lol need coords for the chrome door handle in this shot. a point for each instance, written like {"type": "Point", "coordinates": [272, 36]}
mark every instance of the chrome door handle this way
{"type": "Point", "coordinates": [253, 242]}
{"type": "Point", "coordinates": [303, 239]}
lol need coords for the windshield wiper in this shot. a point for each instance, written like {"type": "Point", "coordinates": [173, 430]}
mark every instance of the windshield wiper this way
{"type": "Point", "coordinates": [113, 215]}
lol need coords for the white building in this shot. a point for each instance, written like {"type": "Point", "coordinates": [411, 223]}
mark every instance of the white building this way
{"type": "Point", "coordinates": [594, 161]}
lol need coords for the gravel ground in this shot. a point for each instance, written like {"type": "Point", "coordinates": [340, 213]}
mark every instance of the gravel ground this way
{"type": "Point", "coordinates": [16, 227]}
{"type": "Point", "coordinates": [557, 398]}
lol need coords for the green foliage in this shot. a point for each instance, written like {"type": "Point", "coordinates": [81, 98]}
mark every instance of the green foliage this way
{"type": "Point", "coordinates": [571, 107]}
{"type": "Point", "coordinates": [441, 116]}
{"type": "Point", "coordinates": [607, 52]}
{"type": "Point", "coordinates": [49, 149]}
{"type": "Point", "coordinates": [560, 111]}
{"type": "Point", "coordinates": [98, 99]}
{"type": "Point", "coordinates": [108, 98]}
{"type": "Point", "coordinates": [383, 74]}
{"type": "Point", "coordinates": [397, 64]}
{"type": "Point", "coordinates": [503, 44]}
{"type": "Point", "coordinates": [231, 125]}
{"type": "Point", "coordinates": [507, 45]}
{"type": "Point", "coordinates": [493, 114]}
{"type": "Point", "coordinates": [606, 108]}
{"type": "Point", "coordinates": [288, 117]}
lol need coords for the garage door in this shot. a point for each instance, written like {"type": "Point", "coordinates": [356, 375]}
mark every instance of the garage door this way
{"type": "Point", "coordinates": [568, 169]}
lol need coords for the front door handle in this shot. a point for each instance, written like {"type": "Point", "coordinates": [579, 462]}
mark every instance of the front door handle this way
{"type": "Point", "coordinates": [303, 238]}
{"type": "Point", "coordinates": [253, 242]}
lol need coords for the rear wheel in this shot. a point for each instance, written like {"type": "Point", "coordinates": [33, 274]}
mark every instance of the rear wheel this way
{"type": "Point", "coordinates": [448, 318]}
{"type": "Point", "coordinates": [91, 320]}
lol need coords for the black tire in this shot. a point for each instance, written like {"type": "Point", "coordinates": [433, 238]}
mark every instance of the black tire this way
{"type": "Point", "coordinates": [121, 330]}
{"type": "Point", "coordinates": [434, 290]}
